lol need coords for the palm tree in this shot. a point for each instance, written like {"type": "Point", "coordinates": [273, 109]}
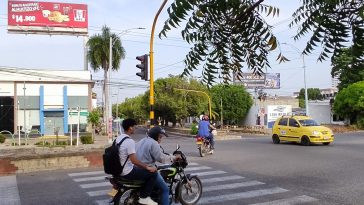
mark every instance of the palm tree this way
{"type": "Point", "coordinates": [98, 55]}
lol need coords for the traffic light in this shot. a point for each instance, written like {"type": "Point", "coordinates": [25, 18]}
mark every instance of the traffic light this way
{"type": "Point", "coordinates": [143, 66]}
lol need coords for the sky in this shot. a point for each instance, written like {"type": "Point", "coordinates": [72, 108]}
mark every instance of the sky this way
{"type": "Point", "coordinates": [66, 52]}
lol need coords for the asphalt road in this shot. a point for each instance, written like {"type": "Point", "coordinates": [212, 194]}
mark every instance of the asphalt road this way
{"type": "Point", "coordinates": [251, 170]}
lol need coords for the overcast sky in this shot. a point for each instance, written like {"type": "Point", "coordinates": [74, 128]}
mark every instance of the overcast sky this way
{"type": "Point", "coordinates": [66, 52]}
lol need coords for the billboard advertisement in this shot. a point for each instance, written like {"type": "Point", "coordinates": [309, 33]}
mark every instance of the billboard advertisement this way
{"type": "Point", "coordinates": [265, 80]}
{"type": "Point", "coordinates": [47, 17]}
{"type": "Point", "coordinates": [276, 111]}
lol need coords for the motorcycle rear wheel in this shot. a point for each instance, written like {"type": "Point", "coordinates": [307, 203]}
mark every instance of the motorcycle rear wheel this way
{"type": "Point", "coordinates": [190, 195]}
{"type": "Point", "coordinates": [201, 151]}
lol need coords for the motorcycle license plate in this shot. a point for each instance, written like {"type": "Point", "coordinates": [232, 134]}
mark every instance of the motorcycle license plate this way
{"type": "Point", "coordinates": [199, 142]}
{"type": "Point", "coordinates": [113, 192]}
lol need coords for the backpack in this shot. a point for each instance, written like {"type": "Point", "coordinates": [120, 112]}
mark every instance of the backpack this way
{"type": "Point", "coordinates": [111, 159]}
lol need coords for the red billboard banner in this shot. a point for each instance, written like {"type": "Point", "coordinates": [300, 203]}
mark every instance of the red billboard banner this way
{"type": "Point", "coordinates": [47, 16]}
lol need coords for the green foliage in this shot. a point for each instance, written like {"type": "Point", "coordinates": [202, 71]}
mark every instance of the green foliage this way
{"type": "Point", "coordinates": [194, 129]}
{"type": "Point", "coordinates": [313, 94]}
{"type": "Point", "coordinates": [94, 117]}
{"type": "Point", "coordinates": [176, 105]}
{"type": "Point", "coordinates": [86, 139]}
{"type": "Point", "coordinates": [2, 138]}
{"type": "Point", "coordinates": [332, 24]}
{"type": "Point", "coordinates": [136, 108]}
{"type": "Point", "coordinates": [236, 101]}
{"type": "Point", "coordinates": [349, 102]}
{"type": "Point", "coordinates": [347, 68]}
{"type": "Point", "coordinates": [225, 36]}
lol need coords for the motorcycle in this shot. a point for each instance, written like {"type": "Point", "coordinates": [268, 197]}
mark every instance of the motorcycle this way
{"type": "Point", "coordinates": [203, 146]}
{"type": "Point", "coordinates": [183, 188]}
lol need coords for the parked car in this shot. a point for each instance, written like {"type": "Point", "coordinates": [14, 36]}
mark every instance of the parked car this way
{"type": "Point", "coordinates": [301, 129]}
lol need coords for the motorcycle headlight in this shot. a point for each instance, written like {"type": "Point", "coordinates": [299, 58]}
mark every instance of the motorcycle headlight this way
{"type": "Point", "coordinates": [315, 133]}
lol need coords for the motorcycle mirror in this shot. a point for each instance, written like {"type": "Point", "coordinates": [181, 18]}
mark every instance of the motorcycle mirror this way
{"type": "Point", "coordinates": [177, 147]}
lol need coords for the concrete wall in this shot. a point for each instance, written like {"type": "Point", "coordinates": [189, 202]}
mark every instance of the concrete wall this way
{"type": "Point", "coordinates": [320, 112]}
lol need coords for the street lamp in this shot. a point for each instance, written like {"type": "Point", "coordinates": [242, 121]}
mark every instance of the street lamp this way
{"type": "Point", "coordinates": [304, 75]}
{"type": "Point", "coordinates": [198, 91]}
{"type": "Point", "coordinates": [108, 110]}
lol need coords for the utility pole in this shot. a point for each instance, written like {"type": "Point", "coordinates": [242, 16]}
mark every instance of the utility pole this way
{"type": "Point", "coordinates": [25, 129]}
{"type": "Point", "coordinates": [222, 119]}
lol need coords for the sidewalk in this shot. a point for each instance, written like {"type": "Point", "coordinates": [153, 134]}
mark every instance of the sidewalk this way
{"type": "Point", "coordinates": [30, 158]}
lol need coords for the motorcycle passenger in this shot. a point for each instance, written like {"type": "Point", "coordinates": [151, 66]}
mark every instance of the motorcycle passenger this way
{"type": "Point", "coordinates": [135, 169]}
{"type": "Point", "coordinates": [204, 127]}
{"type": "Point", "coordinates": [149, 152]}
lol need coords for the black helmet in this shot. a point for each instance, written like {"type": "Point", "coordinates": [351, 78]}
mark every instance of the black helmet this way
{"type": "Point", "coordinates": [155, 131]}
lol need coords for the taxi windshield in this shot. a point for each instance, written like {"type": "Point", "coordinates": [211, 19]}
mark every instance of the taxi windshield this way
{"type": "Point", "coordinates": [308, 122]}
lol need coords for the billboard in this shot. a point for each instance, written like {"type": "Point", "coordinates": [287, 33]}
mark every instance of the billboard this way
{"type": "Point", "coordinates": [276, 111]}
{"type": "Point", "coordinates": [265, 80]}
{"type": "Point", "coordinates": [47, 17]}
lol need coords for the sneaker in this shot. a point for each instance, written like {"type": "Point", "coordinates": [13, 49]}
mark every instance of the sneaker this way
{"type": "Point", "coordinates": [147, 201]}
{"type": "Point", "coordinates": [211, 151]}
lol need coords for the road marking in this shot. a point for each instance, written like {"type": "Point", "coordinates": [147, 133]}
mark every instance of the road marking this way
{"type": "Point", "coordinates": [89, 179]}
{"type": "Point", "coordinates": [9, 193]}
{"type": "Point", "coordinates": [93, 185]}
{"type": "Point", "coordinates": [86, 173]}
{"type": "Point", "coordinates": [103, 202]}
{"type": "Point", "coordinates": [196, 168]}
{"type": "Point", "coordinates": [241, 195]}
{"type": "Point", "coordinates": [192, 164]}
{"type": "Point", "coordinates": [290, 201]}
{"type": "Point", "coordinates": [221, 179]}
{"type": "Point", "coordinates": [99, 192]}
{"type": "Point", "coordinates": [208, 173]}
{"type": "Point", "coordinates": [232, 186]}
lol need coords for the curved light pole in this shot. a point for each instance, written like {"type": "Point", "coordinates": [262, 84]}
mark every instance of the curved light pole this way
{"type": "Point", "coordinates": [151, 65]}
{"type": "Point", "coordinates": [198, 91]}
{"type": "Point", "coordinates": [108, 110]}
{"type": "Point", "coordinates": [304, 75]}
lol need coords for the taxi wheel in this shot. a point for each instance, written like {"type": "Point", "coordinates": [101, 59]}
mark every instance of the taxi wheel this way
{"type": "Point", "coordinates": [326, 143]}
{"type": "Point", "coordinates": [305, 141]}
{"type": "Point", "coordinates": [276, 139]}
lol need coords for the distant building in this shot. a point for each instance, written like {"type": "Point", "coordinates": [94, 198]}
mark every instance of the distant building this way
{"type": "Point", "coordinates": [327, 93]}
{"type": "Point", "coordinates": [335, 82]}
{"type": "Point", "coordinates": [44, 100]}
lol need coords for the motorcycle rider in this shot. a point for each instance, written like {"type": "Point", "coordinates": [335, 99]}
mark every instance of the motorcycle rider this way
{"type": "Point", "coordinates": [135, 169]}
{"type": "Point", "coordinates": [149, 152]}
{"type": "Point", "coordinates": [204, 127]}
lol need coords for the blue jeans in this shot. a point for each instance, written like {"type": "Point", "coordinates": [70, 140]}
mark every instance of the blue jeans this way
{"type": "Point", "coordinates": [212, 142]}
{"type": "Point", "coordinates": [144, 175]}
{"type": "Point", "coordinates": [162, 186]}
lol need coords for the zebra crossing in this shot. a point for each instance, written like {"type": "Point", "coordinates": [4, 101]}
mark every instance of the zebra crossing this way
{"type": "Point", "coordinates": [218, 187]}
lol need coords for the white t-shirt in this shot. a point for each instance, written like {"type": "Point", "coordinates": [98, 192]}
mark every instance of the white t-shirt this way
{"type": "Point", "coordinates": [126, 148]}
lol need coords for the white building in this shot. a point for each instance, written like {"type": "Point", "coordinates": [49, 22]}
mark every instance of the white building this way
{"type": "Point", "coordinates": [43, 100]}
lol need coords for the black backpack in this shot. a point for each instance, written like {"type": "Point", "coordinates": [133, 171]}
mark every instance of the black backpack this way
{"type": "Point", "coordinates": [111, 159]}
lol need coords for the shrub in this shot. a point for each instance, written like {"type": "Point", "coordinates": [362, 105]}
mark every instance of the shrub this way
{"type": "Point", "coordinates": [42, 143]}
{"type": "Point", "coordinates": [360, 122]}
{"type": "Point", "coordinates": [2, 138]}
{"type": "Point", "coordinates": [87, 139]}
{"type": "Point", "coordinates": [194, 129]}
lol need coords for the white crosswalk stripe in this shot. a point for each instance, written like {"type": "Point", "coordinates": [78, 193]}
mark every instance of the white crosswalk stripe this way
{"type": "Point", "coordinates": [290, 201]}
{"type": "Point", "coordinates": [218, 187]}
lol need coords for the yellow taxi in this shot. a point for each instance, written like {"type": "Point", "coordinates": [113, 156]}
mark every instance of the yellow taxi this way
{"type": "Point", "coordinates": [301, 129]}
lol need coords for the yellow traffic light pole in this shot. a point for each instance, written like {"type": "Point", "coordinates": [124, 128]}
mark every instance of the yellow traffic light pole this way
{"type": "Point", "coordinates": [198, 91]}
{"type": "Point", "coordinates": [151, 54]}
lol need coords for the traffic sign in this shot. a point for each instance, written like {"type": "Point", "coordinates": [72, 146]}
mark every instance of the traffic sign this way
{"type": "Point", "coordinates": [81, 113]}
